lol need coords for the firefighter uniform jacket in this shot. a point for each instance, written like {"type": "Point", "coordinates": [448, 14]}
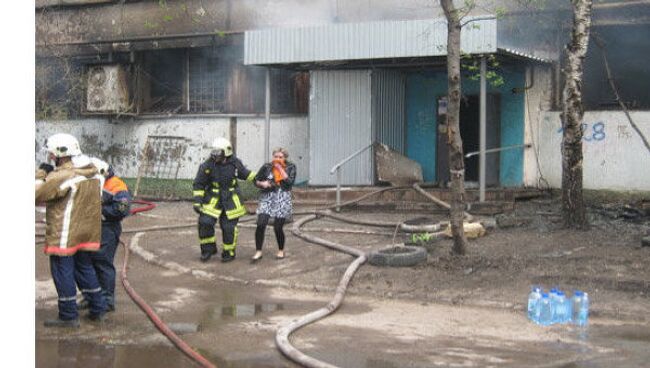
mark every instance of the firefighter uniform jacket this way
{"type": "Point", "coordinates": [72, 198]}
{"type": "Point", "coordinates": [116, 200]}
{"type": "Point", "coordinates": [215, 187]}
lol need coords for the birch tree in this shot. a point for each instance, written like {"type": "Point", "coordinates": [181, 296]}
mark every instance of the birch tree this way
{"type": "Point", "coordinates": [573, 209]}
{"type": "Point", "coordinates": [454, 141]}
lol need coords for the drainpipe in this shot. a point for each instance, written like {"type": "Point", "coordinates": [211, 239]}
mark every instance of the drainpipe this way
{"type": "Point", "coordinates": [482, 133]}
{"type": "Point", "coordinates": [267, 116]}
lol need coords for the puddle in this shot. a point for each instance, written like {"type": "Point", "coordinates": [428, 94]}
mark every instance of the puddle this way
{"type": "Point", "coordinates": [247, 310]}
{"type": "Point", "coordinates": [67, 353]}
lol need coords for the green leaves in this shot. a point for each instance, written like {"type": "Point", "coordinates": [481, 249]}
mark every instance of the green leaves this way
{"type": "Point", "coordinates": [472, 65]}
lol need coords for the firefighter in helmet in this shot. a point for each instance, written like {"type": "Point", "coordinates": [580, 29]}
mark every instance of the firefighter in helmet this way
{"type": "Point", "coordinates": [71, 192]}
{"type": "Point", "coordinates": [217, 197]}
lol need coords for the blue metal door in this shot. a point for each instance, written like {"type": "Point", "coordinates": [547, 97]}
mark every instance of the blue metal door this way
{"type": "Point", "coordinates": [421, 123]}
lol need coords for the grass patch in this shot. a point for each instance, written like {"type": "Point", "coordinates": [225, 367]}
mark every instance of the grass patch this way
{"type": "Point", "coordinates": [179, 188]}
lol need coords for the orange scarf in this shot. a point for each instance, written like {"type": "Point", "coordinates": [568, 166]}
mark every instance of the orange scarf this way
{"type": "Point", "coordinates": [277, 176]}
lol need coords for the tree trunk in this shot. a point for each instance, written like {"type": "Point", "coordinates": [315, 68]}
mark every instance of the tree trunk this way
{"type": "Point", "coordinates": [454, 141]}
{"type": "Point", "coordinates": [573, 209]}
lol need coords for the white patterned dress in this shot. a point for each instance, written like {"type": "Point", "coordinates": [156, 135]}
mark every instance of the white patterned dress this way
{"type": "Point", "coordinates": [276, 203]}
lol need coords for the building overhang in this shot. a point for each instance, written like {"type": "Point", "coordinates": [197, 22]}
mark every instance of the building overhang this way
{"type": "Point", "coordinates": [385, 40]}
{"type": "Point", "coordinates": [363, 41]}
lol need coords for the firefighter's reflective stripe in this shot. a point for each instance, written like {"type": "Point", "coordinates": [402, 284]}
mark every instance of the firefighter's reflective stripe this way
{"type": "Point", "coordinates": [232, 246]}
{"type": "Point", "coordinates": [95, 290]}
{"type": "Point", "coordinates": [251, 176]}
{"type": "Point", "coordinates": [209, 240]}
{"type": "Point", "coordinates": [238, 211]}
{"type": "Point", "coordinates": [216, 190]}
{"type": "Point", "coordinates": [210, 208]}
{"type": "Point", "coordinates": [198, 193]}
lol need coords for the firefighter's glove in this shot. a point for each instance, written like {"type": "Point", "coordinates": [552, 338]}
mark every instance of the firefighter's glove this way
{"type": "Point", "coordinates": [197, 208]}
{"type": "Point", "coordinates": [46, 167]}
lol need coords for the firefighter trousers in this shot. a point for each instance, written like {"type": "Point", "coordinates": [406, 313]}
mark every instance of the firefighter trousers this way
{"type": "Point", "coordinates": [63, 270]}
{"type": "Point", "coordinates": [229, 232]}
{"type": "Point", "coordinates": [102, 261]}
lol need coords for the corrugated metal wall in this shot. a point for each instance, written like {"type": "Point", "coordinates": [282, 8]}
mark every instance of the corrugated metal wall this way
{"type": "Point", "coordinates": [340, 114]}
{"type": "Point", "coordinates": [371, 40]}
{"type": "Point", "coordinates": [388, 108]}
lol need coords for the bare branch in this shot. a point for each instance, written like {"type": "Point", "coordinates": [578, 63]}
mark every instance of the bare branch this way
{"type": "Point", "coordinates": [476, 19]}
{"type": "Point", "coordinates": [610, 79]}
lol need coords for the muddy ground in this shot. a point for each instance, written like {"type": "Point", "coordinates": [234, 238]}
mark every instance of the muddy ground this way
{"type": "Point", "coordinates": [450, 311]}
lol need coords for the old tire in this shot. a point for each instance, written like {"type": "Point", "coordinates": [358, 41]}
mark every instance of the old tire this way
{"type": "Point", "coordinates": [398, 256]}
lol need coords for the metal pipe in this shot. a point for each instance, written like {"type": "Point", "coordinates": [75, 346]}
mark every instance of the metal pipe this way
{"type": "Point", "coordinates": [482, 133]}
{"type": "Point", "coordinates": [337, 168]}
{"type": "Point", "coordinates": [492, 150]}
{"type": "Point", "coordinates": [267, 116]}
{"type": "Point", "coordinates": [338, 189]}
{"type": "Point", "coordinates": [186, 89]}
{"type": "Point", "coordinates": [349, 158]}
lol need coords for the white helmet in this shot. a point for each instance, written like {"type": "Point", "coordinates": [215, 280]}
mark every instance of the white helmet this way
{"type": "Point", "coordinates": [224, 145]}
{"type": "Point", "coordinates": [62, 145]}
{"type": "Point", "coordinates": [102, 166]}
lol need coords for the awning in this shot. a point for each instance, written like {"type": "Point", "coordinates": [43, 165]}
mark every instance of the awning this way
{"type": "Point", "coordinates": [370, 41]}
{"type": "Point", "coordinates": [360, 41]}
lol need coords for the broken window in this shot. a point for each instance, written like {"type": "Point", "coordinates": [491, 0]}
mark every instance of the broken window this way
{"type": "Point", "coordinates": [161, 78]}
{"type": "Point", "coordinates": [220, 83]}
{"type": "Point", "coordinates": [59, 88]}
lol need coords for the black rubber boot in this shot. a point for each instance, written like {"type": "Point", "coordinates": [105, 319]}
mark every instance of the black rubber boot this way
{"type": "Point", "coordinates": [72, 323]}
{"type": "Point", "coordinates": [227, 256]}
{"type": "Point", "coordinates": [207, 251]}
{"type": "Point", "coordinates": [96, 317]}
{"type": "Point", "coordinates": [84, 304]}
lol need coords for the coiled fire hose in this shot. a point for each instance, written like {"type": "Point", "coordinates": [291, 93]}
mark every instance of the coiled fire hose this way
{"type": "Point", "coordinates": [160, 325]}
{"type": "Point", "coordinates": [282, 335]}
{"type": "Point", "coordinates": [286, 329]}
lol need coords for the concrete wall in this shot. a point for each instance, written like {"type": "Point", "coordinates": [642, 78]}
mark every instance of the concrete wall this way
{"type": "Point", "coordinates": [614, 155]}
{"type": "Point", "coordinates": [538, 100]}
{"type": "Point", "coordinates": [121, 143]}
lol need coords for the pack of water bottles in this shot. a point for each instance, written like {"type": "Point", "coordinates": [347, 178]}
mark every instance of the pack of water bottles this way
{"type": "Point", "coordinates": [556, 307]}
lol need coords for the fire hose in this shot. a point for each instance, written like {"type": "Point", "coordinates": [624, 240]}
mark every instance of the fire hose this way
{"type": "Point", "coordinates": [285, 330]}
{"type": "Point", "coordinates": [155, 319]}
{"type": "Point", "coordinates": [283, 333]}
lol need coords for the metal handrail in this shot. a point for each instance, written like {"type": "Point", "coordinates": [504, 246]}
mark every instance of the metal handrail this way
{"type": "Point", "coordinates": [493, 150]}
{"type": "Point", "coordinates": [337, 168]}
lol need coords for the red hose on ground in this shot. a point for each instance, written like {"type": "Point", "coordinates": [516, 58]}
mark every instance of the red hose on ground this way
{"type": "Point", "coordinates": [160, 325]}
{"type": "Point", "coordinates": [148, 206]}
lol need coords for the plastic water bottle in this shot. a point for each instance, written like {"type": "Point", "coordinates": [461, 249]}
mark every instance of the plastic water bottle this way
{"type": "Point", "coordinates": [552, 295]}
{"type": "Point", "coordinates": [568, 303]}
{"type": "Point", "coordinates": [580, 303]}
{"type": "Point", "coordinates": [545, 312]}
{"type": "Point", "coordinates": [560, 308]}
{"type": "Point", "coordinates": [533, 303]}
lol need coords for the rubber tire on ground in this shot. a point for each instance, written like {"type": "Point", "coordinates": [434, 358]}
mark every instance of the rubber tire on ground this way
{"type": "Point", "coordinates": [407, 257]}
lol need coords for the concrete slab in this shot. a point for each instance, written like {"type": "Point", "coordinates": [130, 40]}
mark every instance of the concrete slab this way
{"type": "Point", "coordinates": [394, 168]}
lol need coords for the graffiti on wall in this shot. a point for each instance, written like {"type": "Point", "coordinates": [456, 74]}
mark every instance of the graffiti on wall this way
{"type": "Point", "coordinates": [591, 132]}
